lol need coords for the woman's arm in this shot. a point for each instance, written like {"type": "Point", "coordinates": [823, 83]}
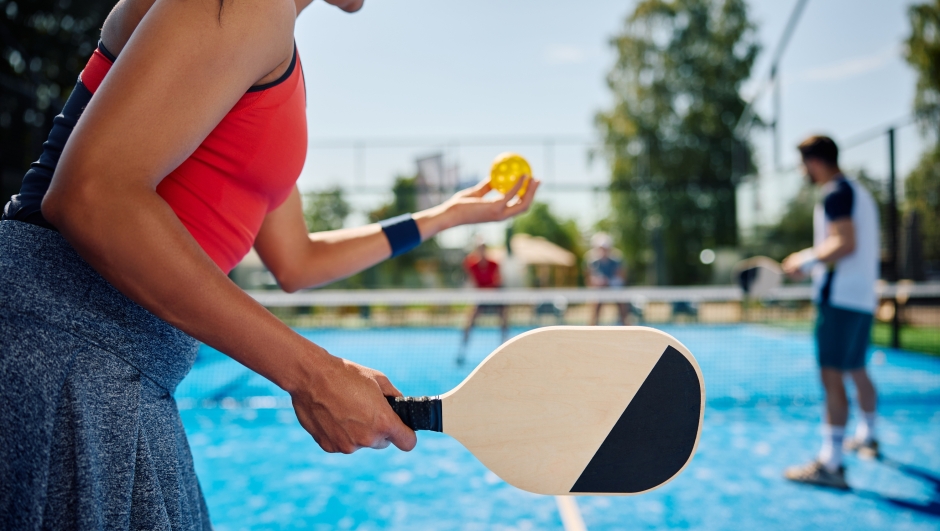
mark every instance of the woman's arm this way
{"type": "Point", "coordinates": [300, 260]}
{"type": "Point", "coordinates": [178, 75]}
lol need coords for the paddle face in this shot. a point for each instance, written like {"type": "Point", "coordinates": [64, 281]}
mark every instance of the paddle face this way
{"type": "Point", "coordinates": [757, 276]}
{"type": "Point", "coordinates": [581, 410]}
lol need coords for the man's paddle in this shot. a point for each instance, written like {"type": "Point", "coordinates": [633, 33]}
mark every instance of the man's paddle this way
{"type": "Point", "coordinates": [757, 276]}
{"type": "Point", "coordinates": [575, 410]}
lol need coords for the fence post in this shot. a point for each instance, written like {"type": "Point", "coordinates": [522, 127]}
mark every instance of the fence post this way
{"type": "Point", "coordinates": [893, 238]}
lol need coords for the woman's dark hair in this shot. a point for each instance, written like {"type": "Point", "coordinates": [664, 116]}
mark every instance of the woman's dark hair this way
{"type": "Point", "coordinates": [820, 148]}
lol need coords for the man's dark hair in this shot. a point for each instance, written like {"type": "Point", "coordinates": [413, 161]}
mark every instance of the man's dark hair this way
{"type": "Point", "coordinates": [820, 148]}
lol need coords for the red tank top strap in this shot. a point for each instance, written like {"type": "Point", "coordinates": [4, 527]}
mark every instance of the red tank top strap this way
{"type": "Point", "coordinates": [94, 72]}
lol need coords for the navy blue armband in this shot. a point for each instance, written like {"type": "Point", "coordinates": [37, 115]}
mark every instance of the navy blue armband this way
{"type": "Point", "coordinates": [402, 233]}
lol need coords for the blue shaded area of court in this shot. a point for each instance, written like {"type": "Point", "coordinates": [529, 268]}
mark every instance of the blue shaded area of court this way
{"type": "Point", "coordinates": [259, 469]}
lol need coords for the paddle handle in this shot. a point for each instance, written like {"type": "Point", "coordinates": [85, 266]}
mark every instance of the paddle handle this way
{"type": "Point", "coordinates": [418, 412]}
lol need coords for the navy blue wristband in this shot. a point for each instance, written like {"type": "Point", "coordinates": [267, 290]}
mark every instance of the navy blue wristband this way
{"type": "Point", "coordinates": [402, 233]}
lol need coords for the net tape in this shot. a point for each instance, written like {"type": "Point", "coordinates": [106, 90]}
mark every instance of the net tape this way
{"type": "Point", "coordinates": [403, 297]}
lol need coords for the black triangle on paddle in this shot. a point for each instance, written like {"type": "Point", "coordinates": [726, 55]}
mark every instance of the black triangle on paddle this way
{"type": "Point", "coordinates": [654, 436]}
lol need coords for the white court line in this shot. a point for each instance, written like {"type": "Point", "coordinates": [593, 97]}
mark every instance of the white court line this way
{"type": "Point", "coordinates": [570, 513]}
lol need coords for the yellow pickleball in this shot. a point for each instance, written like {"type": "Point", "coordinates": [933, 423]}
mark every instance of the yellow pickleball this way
{"type": "Point", "coordinates": [506, 170]}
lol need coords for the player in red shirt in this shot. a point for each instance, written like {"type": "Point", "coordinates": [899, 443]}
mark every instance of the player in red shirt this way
{"type": "Point", "coordinates": [485, 275]}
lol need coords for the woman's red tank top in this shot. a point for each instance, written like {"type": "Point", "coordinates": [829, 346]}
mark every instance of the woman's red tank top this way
{"type": "Point", "coordinates": [244, 169]}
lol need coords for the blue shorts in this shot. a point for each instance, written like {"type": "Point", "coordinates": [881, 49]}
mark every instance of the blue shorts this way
{"type": "Point", "coordinates": [842, 337]}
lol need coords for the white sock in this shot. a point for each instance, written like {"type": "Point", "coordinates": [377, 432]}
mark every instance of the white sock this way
{"type": "Point", "coordinates": [865, 431]}
{"type": "Point", "coordinates": [830, 455]}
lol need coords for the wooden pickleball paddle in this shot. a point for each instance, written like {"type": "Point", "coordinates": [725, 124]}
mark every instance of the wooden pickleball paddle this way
{"type": "Point", "coordinates": [758, 276]}
{"type": "Point", "coordinates": [575, 410]}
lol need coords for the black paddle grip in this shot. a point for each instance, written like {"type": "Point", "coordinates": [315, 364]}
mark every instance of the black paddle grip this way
{"type": "Point", "coordinates": [418, 412]}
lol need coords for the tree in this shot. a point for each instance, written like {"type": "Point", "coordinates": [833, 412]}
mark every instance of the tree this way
{"type": "Point", "coordinates": [669, 137]}
{"type": "Point", "coordinates": [404, 200]}
{"type": "Point", "coordinates": [400, 271]}
{"type": "Point", "coordinates": [540, 221]}
{"type": "Point", "coordinates": [44, 45]}
{"type": "Point", "coordinates": [922, 190]}
{"type": "Point", "coordinates": [923, 184]}
{"type": "Point", "coordinates": [923, 53]}
{"type": "Point", "coordinates": [325, 210]}
{"type": "Point", "coordinates": [792, 232]}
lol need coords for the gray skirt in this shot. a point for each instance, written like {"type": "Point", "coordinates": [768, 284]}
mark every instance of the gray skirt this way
{"type": "Point", "coordinates": [90, 435]}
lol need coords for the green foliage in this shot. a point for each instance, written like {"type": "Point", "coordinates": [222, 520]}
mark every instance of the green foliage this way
{"type": "Point", "coordinates": [793, 232]}
{"type": "Point", "coordinates": [326, 210]}
{"type": "Point", "coordinates": [404, 200]}
{"type": "Point", "coordinates": [922, 189]}
{"type": "Point", "coordinates": [540, 221]}
{"type": "Point", "coordinates": [669, 137]}
{"type": "Point", "coordinates": [923, 53]}
{"type": "Point", "coordinates": [923, 184]}
{"type": "Point", "coordinates": [400, 271]}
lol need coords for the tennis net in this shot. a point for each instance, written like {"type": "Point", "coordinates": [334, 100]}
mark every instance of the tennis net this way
{"type": "Point", "coordinates": [751, 351]}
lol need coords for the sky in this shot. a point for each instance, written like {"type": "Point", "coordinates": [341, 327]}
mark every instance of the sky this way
{"type": "Point", "coordinates": [408, 78]}
{"type": "Point", "coordinates": [843, 74]}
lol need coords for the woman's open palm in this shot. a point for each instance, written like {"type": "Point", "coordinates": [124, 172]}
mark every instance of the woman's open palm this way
{"type": "Point", "coordinates": [472, 205]}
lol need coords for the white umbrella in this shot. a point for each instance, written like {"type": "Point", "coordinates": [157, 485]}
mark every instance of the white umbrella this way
{"type": "Point", "coordinates": [535, 250]}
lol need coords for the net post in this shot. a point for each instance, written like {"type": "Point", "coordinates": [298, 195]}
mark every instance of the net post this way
{"type": "Point", "coordinates": [893, 238]}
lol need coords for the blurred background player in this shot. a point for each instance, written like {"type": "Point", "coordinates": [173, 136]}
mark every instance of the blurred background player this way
{"type": "Point", "coordinates": [605, 270]}
{"type": "Point", "coordinates": [485, 275]}
{"type": "Point", "coordinates": [844, 264]}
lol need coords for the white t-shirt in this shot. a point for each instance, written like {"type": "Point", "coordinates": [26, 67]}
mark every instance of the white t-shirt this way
{"type": "Point", "coordinates": [850, 283]}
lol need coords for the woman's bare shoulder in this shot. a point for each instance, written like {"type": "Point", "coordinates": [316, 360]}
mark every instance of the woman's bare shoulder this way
{"type": "Point", "coordinates": [178, 74]}
{"type": "Point", "coordinates": [272, 21]}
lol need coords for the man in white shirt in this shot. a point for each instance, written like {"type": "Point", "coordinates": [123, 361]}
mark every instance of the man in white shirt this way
{"type": "Point", "coordinates": [844, 263]}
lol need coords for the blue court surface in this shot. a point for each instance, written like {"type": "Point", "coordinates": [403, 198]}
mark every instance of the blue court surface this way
{"type": "Point", "coordinates": [260, 470]}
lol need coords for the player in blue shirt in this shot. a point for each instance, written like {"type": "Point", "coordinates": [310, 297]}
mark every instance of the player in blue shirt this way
{"type": "Point", "coordinates": [605, 270]}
